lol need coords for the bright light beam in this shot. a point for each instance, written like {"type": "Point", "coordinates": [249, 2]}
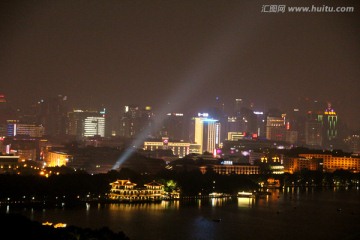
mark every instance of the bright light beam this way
{"type": "Point", "coordinates": [214, 58]}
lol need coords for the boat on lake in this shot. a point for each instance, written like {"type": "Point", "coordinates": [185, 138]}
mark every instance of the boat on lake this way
{"type": "Point", "coordinates": [244, 194]}
{"type": "Point", "coordinates": [218, 195]}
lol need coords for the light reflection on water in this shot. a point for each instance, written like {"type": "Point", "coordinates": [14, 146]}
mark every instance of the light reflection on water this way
{"type": "Point", "coordinates": [246, 202]}
{"type": "Point", "coordinates": [279, 215]}
{"type": "Point", "coordinates": [144, 206]}
{"type": "Point", "coordinates": [218, 202]}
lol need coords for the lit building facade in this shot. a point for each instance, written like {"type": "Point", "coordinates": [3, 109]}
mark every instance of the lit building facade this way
{"type": "Point", "coordinates": [236, 169]}
{"type": "Point", "coordinates": [330, 123]}
{"type": "Point", "coordinates": [8, 163]}
{"type": "Point", "coordinates": [180, 149]}
{"type": "Point", "coordinates": [332, 163]}
{"type": "Point", "coordinates": [126, 191]}
{"type": "Point", "coordinates": [86, 123]}
{"type": "Point", "coordinates": [57, 159]}
{"type": "Point", "coordinates": [207, 133]}
{"type": "Point", "coordinates": [94, 126]}
{"type": "Point", "coordinates": [234, 136]}
{"type": "Point", "coordinates": [25, 147]}
{"type": "Point", "coordinates": [15, 128]}
{"type": "Point", "coordinates": [296, 164]}
{"type": "Point", "coordinates": [275, 128]}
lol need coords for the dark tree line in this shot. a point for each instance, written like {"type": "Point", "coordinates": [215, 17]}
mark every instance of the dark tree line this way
{"type": "Point", "coordinates": [190, 182]}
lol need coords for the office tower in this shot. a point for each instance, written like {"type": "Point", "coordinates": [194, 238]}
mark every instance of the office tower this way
{"type": "Point", "coordinates": [179, 149]}
{"type": "Point", "coordinates": [174, 126]}
{"type": "Point", "coordinates": [207, 133]}
{"type": "Point", "coordinates": [314, 129]}
{"type": "Point", "coordinates": [247, 120]}
{"type": "Point", "coordinates": [260, 124]}
{"type": "Point", "coordinates": [86, 123]}
{"type": "Point", "coordinates": [51, 113]}
{"type": "Point", "coordinates": [94, 126]}
{"type": "Point", "coordinates": [353, 143]}
{"type": "Point", "coordinates": [136, 120]}
{"type": "Point", "coordinates": [15, 128]}
{"type": "Point", "coordinates": [239, 103]}
{"type": "Point", "coordinates": [275, 126]}
{"type": "Point", "coordinates": [330, 123]}
{"type": "Point", "coordinates": [5, 114]}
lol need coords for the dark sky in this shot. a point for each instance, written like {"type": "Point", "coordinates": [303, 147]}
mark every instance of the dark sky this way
{"type": "Point", "coordinates": [181, 54]}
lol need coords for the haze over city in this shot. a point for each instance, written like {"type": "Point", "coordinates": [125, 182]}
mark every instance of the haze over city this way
{"type": "Point", "coordinates": [179, 54]}
{"type": "Point", "coordinates": [184, 119]}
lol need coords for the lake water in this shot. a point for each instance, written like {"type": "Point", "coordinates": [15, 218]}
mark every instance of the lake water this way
{"type": "Point", "coordinates": [291, 213]}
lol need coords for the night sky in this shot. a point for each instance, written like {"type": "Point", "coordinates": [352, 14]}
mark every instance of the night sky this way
{"type": "Point", "coordinates": [180, 54]}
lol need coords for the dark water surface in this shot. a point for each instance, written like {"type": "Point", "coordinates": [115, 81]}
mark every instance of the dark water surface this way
{"type": "Point", "coordinates": [291, 213]}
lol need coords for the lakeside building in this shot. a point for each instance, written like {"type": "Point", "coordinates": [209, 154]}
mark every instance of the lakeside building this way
{"type": "Point", "coordinates": [224, 169]}
{"type": "Point", "coordinates": [126, 191]}
{"type": "Point", "coordinates": [296, 164]}
{"type": "Point", "coordinates": [332, 163]}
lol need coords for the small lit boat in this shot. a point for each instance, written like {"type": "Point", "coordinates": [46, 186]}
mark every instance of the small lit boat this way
{"type": "Point", "coordinates": [216, 195]}
{"type": "Point", "coordinates": [245, 194]}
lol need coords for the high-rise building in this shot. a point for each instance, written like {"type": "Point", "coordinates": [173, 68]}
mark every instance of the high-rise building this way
{"type": "Point", "coordinates": [179, 149]}
{"type": "Point", "coordinates": [174, 126]}
{"type": "Point", "coordinates": [94, 126]}
{"type": "Point", "coordinates": [207, 133]}
{"type": "Point", "coordinates": [247, 120]}
{"type": "Point", "coordinates": [239, 103]}
{"type": "Point", "coordinates": [330, 124]}
{"type": "Point", "coordinates": [136, 120]}
{"type": "Point", "coordinates": [85, 123]}
{"type": "Point", "coordinates": [275, 128]}
{"type": "Point", "coordinates": [353, 143]}
{"type": "Point", "coordinates": [260, 123]}
{"type": "Point", "coordinates": [15, 128]}
{"type": "Point", "coordinates": [314, 129]}
{"type": "Point", "coordinates": [51, 114]}
{"type": "Point", "coordinates": [5, 114]}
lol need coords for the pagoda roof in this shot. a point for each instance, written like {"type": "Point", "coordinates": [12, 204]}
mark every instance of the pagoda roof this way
{"type": "Point", "coordinates": [154, 184]}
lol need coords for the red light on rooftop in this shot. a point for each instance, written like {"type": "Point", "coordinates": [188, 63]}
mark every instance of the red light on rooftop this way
{"type": "Point", "coordinates": [2, 98]}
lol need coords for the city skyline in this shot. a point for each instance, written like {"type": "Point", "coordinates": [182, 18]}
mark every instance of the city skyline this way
{"type": "Point", "coordinates": [179, 55]}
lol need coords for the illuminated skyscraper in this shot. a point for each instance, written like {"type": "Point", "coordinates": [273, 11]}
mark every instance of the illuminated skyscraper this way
{"type": "Point", "coordinates": [330, 123]}
{"type": "Point", "coordinates": [207, 133]}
